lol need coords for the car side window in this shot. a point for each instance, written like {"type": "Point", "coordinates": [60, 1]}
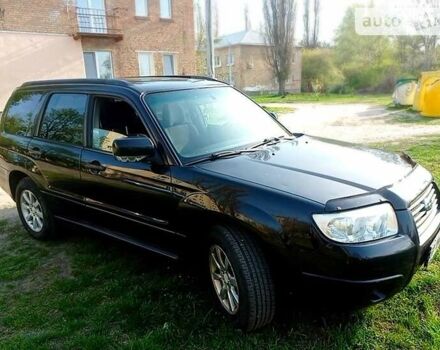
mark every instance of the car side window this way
{"type": "Point", "coordinates": [63, 120]}
{"type": "Point", "coordinates": [113, 119]}
{"type": "Point", "coordinates": [23, 108]}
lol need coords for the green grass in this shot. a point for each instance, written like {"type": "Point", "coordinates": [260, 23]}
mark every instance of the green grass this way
{"type": "Point", "coordinates": [408, 116]}
{"type": "Point", "coordinates": [279, 110]}
{"type": "Point", "coordinates": [382, 99]}
{"type": "Point", "coordinates": [85, 292]}
{"type": "Point", "coordinates": [425, 150]}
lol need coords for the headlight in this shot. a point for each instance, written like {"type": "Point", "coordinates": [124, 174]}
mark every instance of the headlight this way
{"type": "Point", "coordinates": [360, 225]}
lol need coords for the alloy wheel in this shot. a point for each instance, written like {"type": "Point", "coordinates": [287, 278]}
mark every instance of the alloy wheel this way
{"type": "Point", "coordinates": [32, 211]}
{"type": "Point", "coordinates": [224, 279]}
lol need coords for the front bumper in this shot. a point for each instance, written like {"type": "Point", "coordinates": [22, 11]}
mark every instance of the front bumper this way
{"type": "Point", "coordinates": [355, 292]}
{"type": "Point", "coordinates": [368, 273]}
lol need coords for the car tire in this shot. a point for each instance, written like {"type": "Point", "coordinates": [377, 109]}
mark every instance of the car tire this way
{"type": "Point", "coordinates": [33, 211]}
{"type": "Point", "coordinates": [241, 278]}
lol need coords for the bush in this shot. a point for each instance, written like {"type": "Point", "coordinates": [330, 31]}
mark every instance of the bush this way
{"type": "Point", "coordinates": [319, 72]}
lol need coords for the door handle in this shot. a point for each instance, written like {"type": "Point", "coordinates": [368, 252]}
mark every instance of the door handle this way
{"type": "Point", "coordinates": [95, 167]}
{"type": "Point", "coordinates": [35, 152]}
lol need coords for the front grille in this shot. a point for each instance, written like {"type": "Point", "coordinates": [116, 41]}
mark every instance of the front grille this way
{"type": "Point", "coordinates": [424, 209]}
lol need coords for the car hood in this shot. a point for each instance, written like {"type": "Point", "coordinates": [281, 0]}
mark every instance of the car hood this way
{"type": "Point", "coordinates": [315, 168]}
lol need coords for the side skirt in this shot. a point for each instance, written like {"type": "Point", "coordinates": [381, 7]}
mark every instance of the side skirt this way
{"type": "Point", "coordinates": [122, 237]}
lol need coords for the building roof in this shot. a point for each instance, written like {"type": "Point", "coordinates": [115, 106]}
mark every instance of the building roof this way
{"type": "Point", "coordinates": [144, 84]}
{"type": "Point", "coordinates": [246, 37]}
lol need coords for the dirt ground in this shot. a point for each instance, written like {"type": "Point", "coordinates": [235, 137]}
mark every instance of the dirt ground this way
{"type": "Point", "coordinates": [7, 207]}
{"type": "Point", "coordinates": [358, 123]}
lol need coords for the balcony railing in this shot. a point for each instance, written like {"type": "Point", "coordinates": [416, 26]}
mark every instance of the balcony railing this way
{"type": "Point", "coordinates": [96, 23]}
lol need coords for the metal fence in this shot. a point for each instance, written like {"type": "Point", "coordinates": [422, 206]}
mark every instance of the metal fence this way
{"type": "Point", "coordinates": [96, 21]}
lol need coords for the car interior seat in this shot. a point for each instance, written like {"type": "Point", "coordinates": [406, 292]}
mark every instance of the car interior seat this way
{"type": "Point", "coordinates": [182, 133]}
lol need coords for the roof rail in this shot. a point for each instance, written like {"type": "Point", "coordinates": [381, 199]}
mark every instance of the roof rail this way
{"type": "Point", "coordinates": [77, 81]}
{"type": "Point", "coordinates": [125, 81]}
{"type": "Point", "coordinates": [199, 77]}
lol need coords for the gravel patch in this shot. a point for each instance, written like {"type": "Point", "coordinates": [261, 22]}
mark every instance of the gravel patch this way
{"type": "Point", "coordinates": [357, 123]}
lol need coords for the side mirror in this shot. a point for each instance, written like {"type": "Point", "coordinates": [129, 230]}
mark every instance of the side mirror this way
{"type": "Point", "coordinates": [134, 146]}
{"type": "Point", "coordinates": [274, 115]}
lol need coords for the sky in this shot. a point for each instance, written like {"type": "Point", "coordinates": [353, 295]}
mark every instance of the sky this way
{"type": "Point", "coordinates": [231, 16]}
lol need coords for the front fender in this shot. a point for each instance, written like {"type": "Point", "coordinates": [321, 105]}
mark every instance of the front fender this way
{"type": "Point", "coordinates": [201, 210]}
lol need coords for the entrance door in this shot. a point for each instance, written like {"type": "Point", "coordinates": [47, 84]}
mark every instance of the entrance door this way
{"type": "Point", "coordinates": [92, 16]}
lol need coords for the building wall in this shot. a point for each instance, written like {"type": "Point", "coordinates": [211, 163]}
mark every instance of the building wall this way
{"type": "Point", "coordinates": [31, 56]}
{"type": "Point", "coordinates": [150, 34]}
{"type": "Point", "coordinates": [251, 72]}
{"type": "Point", "coordinates": [40, 16]}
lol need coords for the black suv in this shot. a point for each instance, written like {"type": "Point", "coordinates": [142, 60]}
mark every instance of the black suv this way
{"type": "Point", "coordinates": [176, 163]}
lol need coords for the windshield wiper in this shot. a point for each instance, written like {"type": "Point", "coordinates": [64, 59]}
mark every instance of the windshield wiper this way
{"type": "Point", "coordinates": [223, 154]}
{"type": "Point", "coordinates": [268, 141]}
{"type": "Point", "coordinates": [253, 149]}
{"type": "Point", "coordinates": [226, 154]}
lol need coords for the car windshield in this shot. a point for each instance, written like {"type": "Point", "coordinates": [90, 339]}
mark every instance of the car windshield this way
{"type": "Point", "coordinates": [201, 122]}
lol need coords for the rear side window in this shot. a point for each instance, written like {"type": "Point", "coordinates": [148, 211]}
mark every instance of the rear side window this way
{"type": "Point", "coordinates": [21, 113]}
{"type": "Point", "coordinates": [63, 120]}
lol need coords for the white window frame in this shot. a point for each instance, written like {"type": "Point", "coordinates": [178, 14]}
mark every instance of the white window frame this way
{"type": "Point", "coordinates": [137, 8]}
{"type": "Point", "coordinates": [230, 62]}
{"type": "Point", "coordinates": [152, 63]}
{"type": "Point", "coordinates": [217, 61]}
{"type": "Point", "coordinates": [250, 63]}
{"type": "Point", "coordinates": [174, 62]}
{"type": "Point", "coordinates": [170, 7]}
{"type": "Point", "coordinates": [94, 52]}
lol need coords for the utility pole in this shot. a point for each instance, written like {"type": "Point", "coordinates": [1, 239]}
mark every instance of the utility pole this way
{"type": "Point", "coordinates": [209, 40]}
{"type": "Point", "coordinates": [247, 20]}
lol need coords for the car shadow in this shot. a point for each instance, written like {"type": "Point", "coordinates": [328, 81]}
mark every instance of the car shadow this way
{"type": "Point", "coordinates": [300, 306]}
{"type": "Point", "coordinates": [374, 112]}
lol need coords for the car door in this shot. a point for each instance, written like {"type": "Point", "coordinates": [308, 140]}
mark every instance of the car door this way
{"type": "Point", "coordinates": [56, 150]}
{"type": "Point", "coordinates": [125, 195]}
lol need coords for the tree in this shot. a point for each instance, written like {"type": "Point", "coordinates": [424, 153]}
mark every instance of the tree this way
{"type": "Point", "coordinates": [200, 35]}
{"type": "Point", "coordinates": [367, 62]}
{"type": "Point", "coordinates": [216, 19]}
{"type": "Point", "coordinates": [279, 27]}
{"type": "Point", "coordinates": [200, 27]}
{"type": "Point", "coordinates": [416, 53]}
{"type": "Point", "coordinates": [429, 48]}
{"type": "Point", "coordinates": [312, 13]}
{"type": "Point", "coordinates": [247, 19]}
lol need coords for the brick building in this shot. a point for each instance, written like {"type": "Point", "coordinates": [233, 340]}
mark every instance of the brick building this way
{"type": "Point", "coordinates": [44, 39]}
{"type": "Point", "coordinates": [240, 59]}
